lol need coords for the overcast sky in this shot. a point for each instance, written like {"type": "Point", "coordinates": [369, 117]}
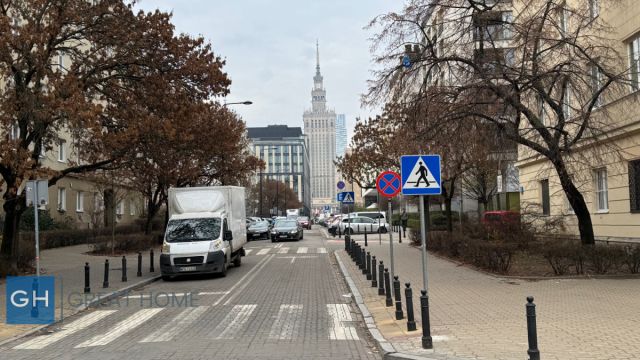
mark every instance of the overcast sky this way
{"type": "Point", "coordinates": [269, 46]}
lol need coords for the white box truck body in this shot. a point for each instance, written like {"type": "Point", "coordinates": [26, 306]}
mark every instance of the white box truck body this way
{"type": "Point", "coordinates": [206, 230]}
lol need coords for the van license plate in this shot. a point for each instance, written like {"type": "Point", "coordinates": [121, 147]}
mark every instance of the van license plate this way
{"type": "Point", "coordinates": [188, 268]}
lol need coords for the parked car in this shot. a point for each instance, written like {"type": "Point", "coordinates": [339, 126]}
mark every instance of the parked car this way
{"type": "Point", "coordinates": [304, 222]}
{"type": "Point", "coordinates": [375, 215]}
{"type": "Point", "coordinates": [500, 217]}
{"type": "Point", "coordinates": [286, 230]}
{"type": "Point", "coordinates": [360, 224]}
{"type": "Point", "coordinates": [258, 230]}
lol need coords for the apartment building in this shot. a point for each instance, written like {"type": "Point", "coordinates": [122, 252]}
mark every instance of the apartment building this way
{"type": "Point", "coordinates": [607, 171]}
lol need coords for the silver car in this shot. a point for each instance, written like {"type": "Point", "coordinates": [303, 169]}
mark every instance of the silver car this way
{"type": "Point", "coordinates": [358, 225]}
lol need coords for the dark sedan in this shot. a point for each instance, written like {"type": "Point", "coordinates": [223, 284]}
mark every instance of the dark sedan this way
{"type": "Point", "coordinates": [259, 230]}
{"type": "Point", "coordinates": [286, 230]}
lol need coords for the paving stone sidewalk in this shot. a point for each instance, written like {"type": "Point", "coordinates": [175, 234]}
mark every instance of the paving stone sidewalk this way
{"type": "Point", "coordinates": [67, 263]}
{"type": "Point", "coordinates": [479, 316]}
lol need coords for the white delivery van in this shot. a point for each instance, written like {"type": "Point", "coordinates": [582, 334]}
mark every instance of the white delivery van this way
{"type": "Point", "coordinates": [206, 230]}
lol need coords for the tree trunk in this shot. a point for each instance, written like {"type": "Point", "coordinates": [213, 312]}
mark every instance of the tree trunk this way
{"type": "Point", "coordinates": [575, 198]}
{"type": "Point", "coordinates": [10, 250]}
{"type": "Point", "coordinates": [448, 195]}
{"type": "Point", "coordinates": [152, 211]}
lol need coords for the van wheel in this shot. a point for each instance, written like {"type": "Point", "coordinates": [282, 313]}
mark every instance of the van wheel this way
{"type": "Point", "coordinates": [237, 261]}
{"type": "Point", "coordinates": [225, 266]}
{"type": "Point", "coordinates": [166, 278]}
{"type": "Point", "coordinates": [383, 230]}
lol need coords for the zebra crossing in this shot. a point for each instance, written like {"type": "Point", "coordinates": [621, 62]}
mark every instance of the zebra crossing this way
{"type": "Point", "coordinates": [287, 325]}
{"type": "Point", "coordinates": [280, 250]}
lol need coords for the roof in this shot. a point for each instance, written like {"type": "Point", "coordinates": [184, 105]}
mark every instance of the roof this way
{"type": "Point", "coordinates": [274, 132]}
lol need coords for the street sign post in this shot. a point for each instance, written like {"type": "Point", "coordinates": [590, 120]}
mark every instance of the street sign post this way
{"type": "Point", "coordinates": [37, 192]}
{"type": "Point", "coordinates": [389, 185]}
{"type": "Point", "coordinates": [421, 176]}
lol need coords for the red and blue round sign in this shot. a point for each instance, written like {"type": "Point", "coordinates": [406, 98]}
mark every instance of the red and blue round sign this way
{"type": "Point", "coordinates": [389, 184]}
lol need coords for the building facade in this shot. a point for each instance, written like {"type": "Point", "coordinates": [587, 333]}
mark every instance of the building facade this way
{"type": "Point", "coordinates": [341, 135]}
{"type": "Point", "coordinates": [320, 128]}
{"type": "Point", "coordinates": [285, 153]}
{"type": "Point", "coordinates": [608, 172]}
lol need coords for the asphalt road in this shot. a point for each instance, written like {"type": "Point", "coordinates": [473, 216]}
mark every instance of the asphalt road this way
{"type": "Point", "coordinates": [287, 301]}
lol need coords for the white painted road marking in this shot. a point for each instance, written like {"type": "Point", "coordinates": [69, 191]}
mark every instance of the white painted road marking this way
{"type": "Point", "coordinates": [179, 323]}
{"type": "Point", "coordinates": [204, 293]}
{"type": "Point", "coordinates": [121, 328]}
{"type": "Point", "coordinates": [322, 250]}
{"type": "Point", "coordinates": [284, 250]}
{"type": "Point", "coordinates": [263, 251]}
{"type": "Point", "coordinates": [338, 330]}
{"type": "Point", "coordinates": [233, 322]}
{"type": "Point", "coordinates": [302, 250]}
{"type": "Point", "coordinates": [71, 328]}
{"type": "Point", "coordinates": [293, 258]}
{"type": "Point", "coordinates": [287, 322]}
{"type": "Point", "coordinates": [247, 251]}
{"type": "Point", "coordinates": [243, 283]}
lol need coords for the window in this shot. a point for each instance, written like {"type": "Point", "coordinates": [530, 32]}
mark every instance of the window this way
{"type": "Point", "coordinates": [14, 132]}
{"type": "Point", "coordinates": [566, 108]}
{"type": "Point", "coordinates": [80, 202]}
{"type": "Point", "coordinates": [634, 185]}
{"type": "Point", "coordinates": [542, 111]}
{"type": "Point", "coordinates": [594, 8]}
{"type": "Point", "coordinates": [596, 83]}
{"type": "Point", "coordinates": [563, 20]}
{"type": "Point", "coordinates": [544, 197]}
{"type": "Point", "coordinates": [62, 157]}
{"type": "Point", "coordinates": [120, 207]}
{"type": "Point", "coordinates": [602, 193]}
{"type": "Point", "coordinates": [132, 208]}
{"type": "Point", "coordinates": [634, 62]}
{"type": "Point", "coordinates": [62, 199]}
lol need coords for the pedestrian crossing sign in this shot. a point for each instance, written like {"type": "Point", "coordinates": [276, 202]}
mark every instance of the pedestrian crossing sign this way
{"type": "Point", "coordinates": [420, 174]}
{"type": "Point", "coordinates": [346, 197]}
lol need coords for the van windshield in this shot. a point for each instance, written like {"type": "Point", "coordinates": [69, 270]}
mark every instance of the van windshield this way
{"type": "Point", "coordinates": [185, 230]}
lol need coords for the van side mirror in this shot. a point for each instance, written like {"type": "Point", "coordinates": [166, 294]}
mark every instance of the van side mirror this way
{"type": "Point", "coordinates": [228, 235]}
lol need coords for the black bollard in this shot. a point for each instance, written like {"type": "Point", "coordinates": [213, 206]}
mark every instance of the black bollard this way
{"type": "Point", "coordinates": [151, 267]}
{"type": "Point", "coordinates": [366, 243]}
{"type": "Point", "coordinates": [408, 295]}
{"type": "Point", "coordinates": [358, 229]}
{"type": "Point", "coordinates": [396, 292]}
{"type": "Point", "coordinates": [368, 268]}
{"type": "Point", "coordinates": [363, 261]}
{"type": "Point", "coordinates": [381, 278]}
{"type": "Point", "coordinates": [87, 287]}
{"type": "Point", "coordinates": [124, 269]}
{"type": "Point", "coordinates": [105, 282]}
{"type": "Point", "coordinates": [427, 341]}
{"type": "Point", "coordinates": [346, 245]}
{"type": "Point", "coordinates": [387, 288]}
{"type": "Point", "coordinates": [374, 278]}
{"type": "Point", "coordinates": [400, 235]}
{"type": "Point", "coordinates": [356, 258]}
{"type": "Point", "coordinates": [339, 232]}
{"type": "Point", "coordinates": [139, 264]}
{"type": "Point", "coordinates": [532, 332]}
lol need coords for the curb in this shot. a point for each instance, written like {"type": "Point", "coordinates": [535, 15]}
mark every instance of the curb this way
{"type": "Point", "coordinates": [388, 351]}
{"type": "Point", "coordinates": [83, 307]}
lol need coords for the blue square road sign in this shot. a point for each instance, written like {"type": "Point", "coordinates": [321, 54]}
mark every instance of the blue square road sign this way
{"type": "Point", "coordinates": [420, 175]}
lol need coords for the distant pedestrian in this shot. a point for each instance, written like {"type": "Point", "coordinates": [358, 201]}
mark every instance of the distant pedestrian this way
{"type": "Point", "coordinates": [404, 218]}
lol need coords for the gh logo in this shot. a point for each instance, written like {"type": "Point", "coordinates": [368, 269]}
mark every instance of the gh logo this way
{"type": "Point", "coordinates": [30, 300]}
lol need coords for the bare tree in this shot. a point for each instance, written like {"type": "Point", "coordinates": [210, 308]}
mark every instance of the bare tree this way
{"type": "Point", "coordinates": [538, 71]}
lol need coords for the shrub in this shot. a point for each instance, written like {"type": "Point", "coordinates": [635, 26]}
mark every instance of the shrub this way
{"type": "Point", "coordinates": [605, 257]}
{"type": "Point", "coordinates": [122, 243]}
{"type": "Point", "coordinates": [632, 258]}
{"type": "Point", "coordinates": [561, 255]}
{"type": "Point", "coordinates": [45, 221]}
